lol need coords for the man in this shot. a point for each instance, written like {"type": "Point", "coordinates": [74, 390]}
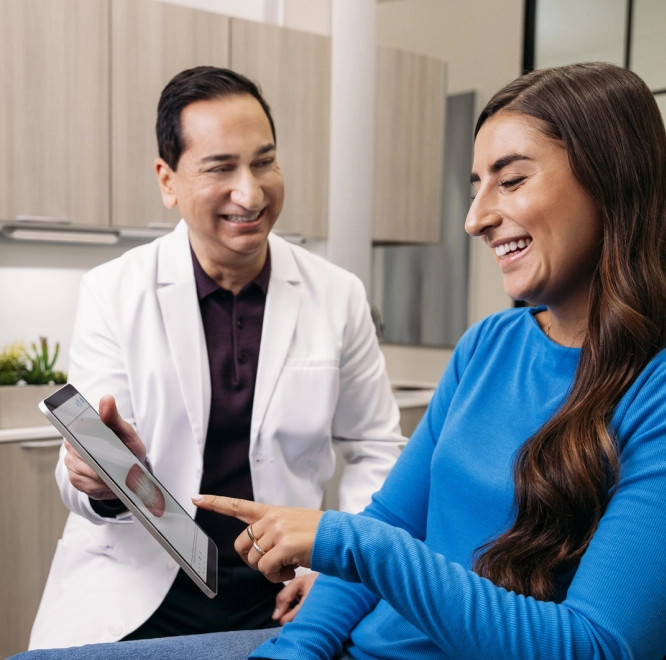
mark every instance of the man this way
{"type": "Point", "coordinates": [240, 360]}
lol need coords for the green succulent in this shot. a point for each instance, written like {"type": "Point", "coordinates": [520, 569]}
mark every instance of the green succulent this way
{"type": "Point", "coordinates": [34, 367]}
{"type": "Point", "coordinates": [12, 363]}
{"type": "Point", "coordinates": [41, 361]}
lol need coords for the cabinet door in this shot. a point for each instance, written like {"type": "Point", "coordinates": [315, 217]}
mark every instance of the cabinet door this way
{"type": "Point", "coordinates": [54, 127]}
{"type": "Point", "coordinates": [292, 68]}
{"type": "Point", "coordinates": [33, 517]}
{"type": "Point", "coordinates": [150, 43]}
{"type": "Point", "coordinates": [409, 147]}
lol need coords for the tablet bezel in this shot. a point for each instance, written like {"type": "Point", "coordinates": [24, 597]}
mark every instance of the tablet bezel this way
{"type": "Point", "coordinates": [64, 394]}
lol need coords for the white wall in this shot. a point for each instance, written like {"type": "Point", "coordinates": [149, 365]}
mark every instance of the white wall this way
{"type": "Point", "coordinates": [38, 289]}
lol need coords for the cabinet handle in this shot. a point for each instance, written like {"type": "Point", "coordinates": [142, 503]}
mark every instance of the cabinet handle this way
{"type": "Point", "coordinates": [46, 219]}
{"type": "Point", "coordinates": [40, 444]}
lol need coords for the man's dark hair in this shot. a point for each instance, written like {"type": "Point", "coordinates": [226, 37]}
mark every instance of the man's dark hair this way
{"type": "Point", "coordinates": [201, 83]}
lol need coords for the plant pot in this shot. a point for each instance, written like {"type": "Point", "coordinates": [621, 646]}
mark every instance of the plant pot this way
{"type": "Point", "coordinates": [19, 405]}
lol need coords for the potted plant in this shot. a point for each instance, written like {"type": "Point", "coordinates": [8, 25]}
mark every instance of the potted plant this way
{"type": "Point", "coordinates": [26, 377]}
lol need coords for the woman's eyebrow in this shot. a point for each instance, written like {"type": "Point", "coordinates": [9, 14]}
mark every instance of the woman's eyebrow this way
{"type": "Point", "coordinates": [499, 164]}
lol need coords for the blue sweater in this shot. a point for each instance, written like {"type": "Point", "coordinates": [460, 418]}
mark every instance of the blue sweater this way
{"type": "Point", "coordinates": [407, 589]}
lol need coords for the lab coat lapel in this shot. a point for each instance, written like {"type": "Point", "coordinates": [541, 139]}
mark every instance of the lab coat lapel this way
{"type": "Point", "coordinates": [176, 290]}
{"type": "Point", "coordinates": [280, 316]}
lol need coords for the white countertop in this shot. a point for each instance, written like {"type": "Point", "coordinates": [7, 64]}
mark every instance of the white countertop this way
{"type": "Point", "coordinates": [29, 433]}
{"type": "Point", "coordinates": [412, 394]}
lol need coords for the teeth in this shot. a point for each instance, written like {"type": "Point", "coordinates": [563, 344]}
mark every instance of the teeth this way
{"type": "Point", "coordinates": [242, 218]}
{"type": "Point", "coordinates": [512, 246]}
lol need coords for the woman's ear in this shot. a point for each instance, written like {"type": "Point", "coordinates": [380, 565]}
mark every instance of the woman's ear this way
{"type": "Point", "coordinates": [165, 178]}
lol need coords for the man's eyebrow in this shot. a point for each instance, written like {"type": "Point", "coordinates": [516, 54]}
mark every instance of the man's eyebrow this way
{"type": "Point", "coordinates": [265, 149]}
{"type": "Point", "coordinates": [217, 158]}
{"type": "Point", "coordinates": [499, 164]}
{"type": "Point", "coordinates": [221, 158]}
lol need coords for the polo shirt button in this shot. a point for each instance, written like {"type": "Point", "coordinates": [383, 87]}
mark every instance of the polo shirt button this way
{"type": "Point", "coordinates": [242, 358]}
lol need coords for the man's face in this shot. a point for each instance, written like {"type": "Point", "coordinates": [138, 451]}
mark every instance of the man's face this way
{"type": "Point", "coordinates": [228, 185]}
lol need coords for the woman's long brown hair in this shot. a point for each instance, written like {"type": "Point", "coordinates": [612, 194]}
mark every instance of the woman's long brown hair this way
{"type": "Point", "coordinates": [566, 473]}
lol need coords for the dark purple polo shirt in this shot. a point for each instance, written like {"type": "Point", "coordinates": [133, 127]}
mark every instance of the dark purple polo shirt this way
{"type": "Point", "coordinates": [232, 325]}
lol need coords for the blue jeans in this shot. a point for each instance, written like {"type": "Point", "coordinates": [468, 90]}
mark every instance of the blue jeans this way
{"type": "Point", "coordinates": [212, 646]}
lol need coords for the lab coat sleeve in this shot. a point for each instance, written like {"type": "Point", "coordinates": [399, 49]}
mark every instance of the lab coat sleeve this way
{"type": "Point", "coordinates": [95, 369]}
{"type": "Point", "coordinates": [366, 423]}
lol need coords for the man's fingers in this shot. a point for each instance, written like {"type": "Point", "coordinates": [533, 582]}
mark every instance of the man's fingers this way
{"type": "Point", "coordinates": [108, 412]}
{"type": "Point", "coordinates": [289, 600]}
{"type": "Point", "coordinates": [244, 510]}
{"type": "Point", "coordinates": [76, 465]}
{"type": "Point", "coordinates": [83, 477]}
{"type": "Point", "coordinates": [283, 601]}
{"type": "Point", "coordinates": [290, 614]}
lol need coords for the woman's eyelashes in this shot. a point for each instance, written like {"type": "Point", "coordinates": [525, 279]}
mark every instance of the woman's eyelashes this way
{"type": "Point", "coordinates": [513, 182]}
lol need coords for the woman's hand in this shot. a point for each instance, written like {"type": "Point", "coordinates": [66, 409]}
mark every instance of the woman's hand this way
{"type": "Point", "coordinates": [277, 538]}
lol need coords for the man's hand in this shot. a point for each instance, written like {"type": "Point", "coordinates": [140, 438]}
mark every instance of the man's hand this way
{"type": "Point", "coordinates": [81, 475]}
{"type": "Point", "coordinates": [277, 539]}
{"type": "Point", "coordinates": [290, 599]}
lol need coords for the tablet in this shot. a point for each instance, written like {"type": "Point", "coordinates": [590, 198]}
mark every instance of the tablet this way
{"type": "Point", "coordinates": [141, 492]}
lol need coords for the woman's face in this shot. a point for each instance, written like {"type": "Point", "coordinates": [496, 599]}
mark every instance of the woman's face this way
{"type": "Point", "coordinates": [543, 227]}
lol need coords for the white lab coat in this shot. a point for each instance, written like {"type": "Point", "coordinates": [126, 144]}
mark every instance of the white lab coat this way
{"type": "Point", "coordinates": [138, 335]}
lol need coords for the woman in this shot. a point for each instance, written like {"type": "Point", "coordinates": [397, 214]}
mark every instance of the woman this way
{"type": "Point", "coordinates": [526, 517]}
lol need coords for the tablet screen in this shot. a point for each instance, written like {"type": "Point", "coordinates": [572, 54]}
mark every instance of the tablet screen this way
{"type": "Point", "coordinates": [141, 491]}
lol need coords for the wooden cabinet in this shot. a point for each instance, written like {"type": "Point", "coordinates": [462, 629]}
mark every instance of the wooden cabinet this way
{"type": "Point", "coordinates": [150, 43]}
{"type": "Point", "coordinates": [292, 69]}
{"type": "Point", "coordinates": [33, 517]}
{"type": "Point", "coordinates": [81, 82]}
{"type": "Point", "coordinates": [54, 126]}
{"type": "Point", "coordinates": [409, 147]}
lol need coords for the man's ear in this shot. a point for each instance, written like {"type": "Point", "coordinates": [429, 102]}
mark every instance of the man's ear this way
{"type": "Point", "coordinates": [165, 178]}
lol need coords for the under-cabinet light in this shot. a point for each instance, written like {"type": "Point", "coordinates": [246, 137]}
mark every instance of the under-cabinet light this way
{"type": "Point", "coordinates": [60, 235]}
